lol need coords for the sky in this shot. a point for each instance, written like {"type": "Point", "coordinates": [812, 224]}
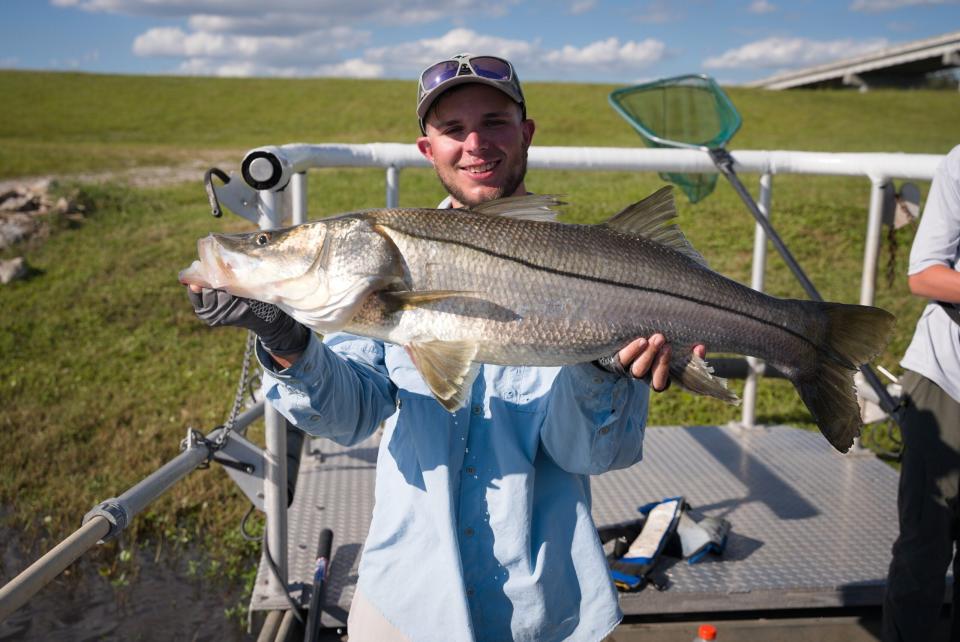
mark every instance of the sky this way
{"type": "Point", "coordinates": [611, 41]}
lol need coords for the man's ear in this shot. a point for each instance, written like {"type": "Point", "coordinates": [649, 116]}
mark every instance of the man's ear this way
{"type": "Point", "coordinates": [423, 144]}
{"type": "Point", "coordinates": [527, 129]}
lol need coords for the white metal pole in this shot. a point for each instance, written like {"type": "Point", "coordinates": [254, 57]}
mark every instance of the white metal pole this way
{"type": "Point", "coordinates": [393, 186]}
{"type": "Point", "coordinates": [759, 266]}
{"type": "Point", "coordinates": [871, 251]}
{"type": "Point", "coordinates": [28, 583]}
{"type": "Point", "coordinates": [275, 452]}
{"type": "Point", "coordinates": [298, 193]}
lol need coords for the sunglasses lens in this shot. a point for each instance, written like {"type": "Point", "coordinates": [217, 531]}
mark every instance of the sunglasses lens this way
{"type": "Point", "coordinates": [490, 67]}
{"type": "Point", "coordinates": [439, 73]}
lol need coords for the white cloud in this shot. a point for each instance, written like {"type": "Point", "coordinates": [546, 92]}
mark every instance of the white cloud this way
{"type": "Point", "coordinates": [659, 12]}
{"type": "Point", "coordinates": [9, 62]}
{"type": "Point", "coordinates": [609, 57]}
{"type": "Point", "coordinates": [791, 52]}
{"type": "Point", "coordinates": [245, 52]}
{"type": "Point", "coordinates": [334, 38]}
{"type": "Point", "coordinates": [609, 52]}
{"type": "Point", "coordinates": [579, 7]}
{"type": "Point", "coordinates": [74, 62]}
{"type": "Point", "coordinates": [353, 68]}
{"type": "Point", "coordinates": [420, 53]}
{"type": "Point", "coordinates": [761, 7]}
{"type": "Point", "coordinates": [892, 5]}
{"type": "Point", "coordinates": [253, 16]}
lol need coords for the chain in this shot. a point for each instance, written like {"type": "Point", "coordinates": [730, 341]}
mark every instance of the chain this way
{"type": "Point", "coordinates": [891, 256]}
{"type": "Point", "coordinates": [241, 388]}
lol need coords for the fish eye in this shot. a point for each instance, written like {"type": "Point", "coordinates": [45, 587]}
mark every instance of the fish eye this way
{"type": "Point", "coordinates": [262, 239]}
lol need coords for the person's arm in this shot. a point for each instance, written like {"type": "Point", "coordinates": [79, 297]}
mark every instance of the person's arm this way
{"type": "Point", "coordinates": [595, 418]}
{"type": "Point", "coordinates": [937, 282]}
{"type": "Point", "coordinates": [933, 255]}
{"type": "Point", "coordinates": [339, 390]}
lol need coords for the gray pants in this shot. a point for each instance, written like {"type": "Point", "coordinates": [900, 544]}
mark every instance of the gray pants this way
{"type": "Point", "coordinates": [928, 506]}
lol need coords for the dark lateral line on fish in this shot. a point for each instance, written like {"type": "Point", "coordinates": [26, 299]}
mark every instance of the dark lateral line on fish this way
{"type": "Point", "coordinates": [593, 279]}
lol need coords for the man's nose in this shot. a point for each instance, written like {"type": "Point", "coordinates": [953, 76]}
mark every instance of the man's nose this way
{"type": "Point", "coordinates": [475, 141]}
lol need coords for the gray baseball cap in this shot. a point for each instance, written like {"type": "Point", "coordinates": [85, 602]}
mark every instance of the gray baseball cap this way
{"type": "Point", "coordinates": [466, 68]}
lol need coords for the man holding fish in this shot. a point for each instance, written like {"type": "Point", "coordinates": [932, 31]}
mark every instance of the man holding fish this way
{"type": "Point", "coordinates": [482, 526]}
{"type": "Point", "coordinates": [503, 351]}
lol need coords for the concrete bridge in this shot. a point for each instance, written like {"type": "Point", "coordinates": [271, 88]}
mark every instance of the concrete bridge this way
{"type": "Point", "coordinates": [900, 66]}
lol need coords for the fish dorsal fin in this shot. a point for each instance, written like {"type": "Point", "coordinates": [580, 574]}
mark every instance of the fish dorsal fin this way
{"type": "Point", "coordinates": [532, 207]}
{"type": "Point", "coordinates": [650, 218]}
{"type": "Point", "coordinates": [447, 368]}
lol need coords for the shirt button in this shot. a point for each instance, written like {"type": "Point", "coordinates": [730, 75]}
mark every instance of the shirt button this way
{"type": "Point", "coordinates": [470, 592]}
{"type": "Point", "coordinates": [315, 417]}
{"type": "Point", "coordinates": [471, 470]}
{"type": "Point", "coordinates": [468, 532]}
{"type": "Point", "coordinates": [597, 380]}
{"type": "Point", "coordinates": [307, 368]}
{"type": "Point", "coordinates": [476, 410]}
{"type": "Point", "coordinates": [605, 430]}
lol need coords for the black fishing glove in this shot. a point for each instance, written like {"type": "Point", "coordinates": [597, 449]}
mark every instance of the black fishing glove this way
{"type": "Point", "coordinates": [279, 333]}
{"type": "Point", "coordinates": [613, 364]}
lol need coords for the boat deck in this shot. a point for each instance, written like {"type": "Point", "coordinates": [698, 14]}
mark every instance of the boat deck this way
{"type": "Point", "coordinates": [811, 528]}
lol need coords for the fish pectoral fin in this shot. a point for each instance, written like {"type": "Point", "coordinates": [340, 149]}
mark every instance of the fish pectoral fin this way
{"type": "Point", "coordinates": [447, 367]}
{"type": "Point", "coordinates": [695, 375]}
{"type": "Point", "coordinates": [408, 299]}
{"type": "Point", "coordinates": [650, 218]}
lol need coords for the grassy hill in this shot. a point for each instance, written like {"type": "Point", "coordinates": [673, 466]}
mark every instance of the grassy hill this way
{"type": "Point", "coordinates": [56, 122]}
{"type": "Point", "coordinates": [104, 365]}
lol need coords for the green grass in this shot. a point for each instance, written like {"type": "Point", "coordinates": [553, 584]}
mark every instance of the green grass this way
{"type": "Point", "coordinates": [57, 122]}
{"type": "Point", "coordinates": [104, 365]}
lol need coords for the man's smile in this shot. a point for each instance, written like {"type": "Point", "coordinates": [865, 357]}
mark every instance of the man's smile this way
{"type": "Point", "coordinates": [480, 168]}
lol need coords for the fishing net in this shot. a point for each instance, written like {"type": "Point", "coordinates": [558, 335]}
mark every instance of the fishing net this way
{"type": "Point", "coordinates": [686, 111]}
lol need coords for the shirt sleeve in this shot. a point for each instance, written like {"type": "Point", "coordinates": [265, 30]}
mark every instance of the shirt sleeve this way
{"type": "Point", "coordinates": [595, 420]}
{"type": "Point", "coordinates": [339, 389]}
{"type": "Point", "coordinates": [938, 235]}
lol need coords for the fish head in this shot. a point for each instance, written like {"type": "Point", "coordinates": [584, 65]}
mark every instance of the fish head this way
{"type": "Point", "coordinates": [269, 265]}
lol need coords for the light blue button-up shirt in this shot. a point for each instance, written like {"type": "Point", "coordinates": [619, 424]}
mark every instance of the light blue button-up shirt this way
{"type": "Point", "coordinates": [481, 528]}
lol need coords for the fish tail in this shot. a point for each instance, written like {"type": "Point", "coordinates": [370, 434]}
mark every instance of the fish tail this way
{"type": "Point", "coordinates": [848, 336]}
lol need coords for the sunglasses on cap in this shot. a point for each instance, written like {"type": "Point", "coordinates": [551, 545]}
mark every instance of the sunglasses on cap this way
{"type": "Point", "coordinates": [489, 70]}
{"type": "Point", "coordinates": [462, 65]}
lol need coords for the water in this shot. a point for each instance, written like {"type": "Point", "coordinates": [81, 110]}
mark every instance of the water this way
{"type": "Point", "coordinates": [161, 601]}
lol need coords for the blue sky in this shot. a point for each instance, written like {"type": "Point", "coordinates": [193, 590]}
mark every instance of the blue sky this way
{"type": "Point", "coordinates": [569, 40]}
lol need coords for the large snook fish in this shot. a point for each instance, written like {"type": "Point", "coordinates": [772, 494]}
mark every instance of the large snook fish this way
{"type": "Point", "coordinates": [502, 283]}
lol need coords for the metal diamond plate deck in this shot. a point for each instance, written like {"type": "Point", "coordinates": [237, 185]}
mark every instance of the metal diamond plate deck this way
{"type": "Point", "coordinates": [810, 527]}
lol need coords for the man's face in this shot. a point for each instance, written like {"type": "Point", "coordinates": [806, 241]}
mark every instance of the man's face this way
{"type": "Point", "coordinates": [477, 142]}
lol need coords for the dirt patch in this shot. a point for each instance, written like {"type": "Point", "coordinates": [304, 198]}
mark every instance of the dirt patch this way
{"type": "Point", "coordinates": [29, 207]}
{"type": "Point", "coordinates": [152, 176]}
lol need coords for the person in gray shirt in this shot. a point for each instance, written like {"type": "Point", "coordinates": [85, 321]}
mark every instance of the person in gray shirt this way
{"type": "Point", "coordinates": [927, 501]}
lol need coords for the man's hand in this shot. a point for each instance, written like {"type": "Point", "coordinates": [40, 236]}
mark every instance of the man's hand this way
{"type": "Point", "coordinates": [283, 337]}
{"type": "Point", "coordinates": [647, 359]}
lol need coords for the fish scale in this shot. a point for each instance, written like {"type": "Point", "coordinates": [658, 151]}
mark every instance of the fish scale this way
{"type": "Point", "coordinates": [528, 267]}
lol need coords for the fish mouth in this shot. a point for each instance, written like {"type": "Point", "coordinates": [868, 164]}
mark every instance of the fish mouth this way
{"type": "Point", "coordinates": [212, 270]}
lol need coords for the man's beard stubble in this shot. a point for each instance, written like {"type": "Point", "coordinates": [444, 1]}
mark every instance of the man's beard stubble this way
{"type": "Point", "coordinates": [509, 186]}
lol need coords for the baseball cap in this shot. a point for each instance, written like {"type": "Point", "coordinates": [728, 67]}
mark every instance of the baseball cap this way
{"type": "Point", "coordinates": [466, 68]}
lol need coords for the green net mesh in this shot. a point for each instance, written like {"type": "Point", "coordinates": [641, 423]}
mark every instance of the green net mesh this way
{"type": "Point", "coordinates": [686, 111]}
